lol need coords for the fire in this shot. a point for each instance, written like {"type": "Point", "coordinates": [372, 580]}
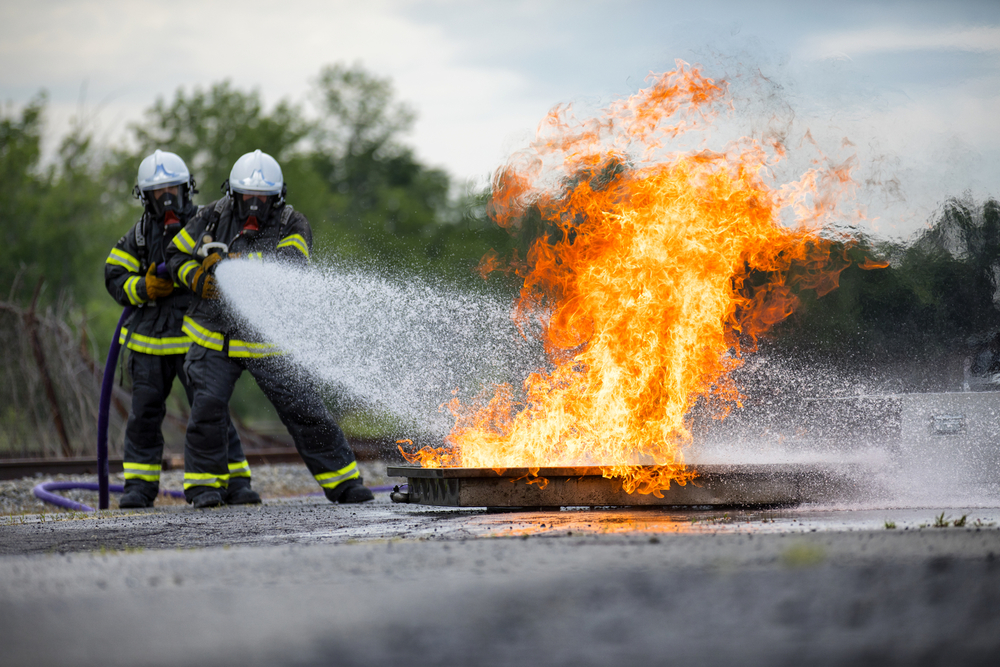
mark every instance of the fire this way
{"type": "Point", "coordinates": [650, 274]}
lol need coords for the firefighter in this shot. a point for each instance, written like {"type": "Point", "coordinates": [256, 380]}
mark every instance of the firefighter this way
{"type": "Point", "coordinates": [153, 332]}
{"type": "Point", "coordinates": [251, 222]}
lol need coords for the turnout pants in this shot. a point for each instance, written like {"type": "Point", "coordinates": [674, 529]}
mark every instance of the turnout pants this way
{"type": "Point", "coordinates": [152, 379]}
{"type": "Point", "coordinates": [213, 375]}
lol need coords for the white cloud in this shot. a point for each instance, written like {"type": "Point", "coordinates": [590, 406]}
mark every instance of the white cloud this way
{"type": "Point", "coordinates": [127, 53]}
{"type": "Point", "coordinates": [975, 39]}
{"type": "Point", "coordinates": [481, 76]}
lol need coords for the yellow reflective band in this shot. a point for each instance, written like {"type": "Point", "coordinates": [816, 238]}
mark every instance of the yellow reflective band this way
{"type": "Point", "coordinates": [239, 469]}
{"type": "Point", "coordinates": [186, 268]}
{"type": "Point", "coordinates": [330, 480]}
{"type": "Point", "coordinates": [214, 340]}
{"type": "Point", "coordinates": [204, 337]}
{"type": "Point", "coordinates": [184, 241]}
{"type": "Point", "coordinates": [205, 479]}
{"type": "Point", "coordinates": [122, 258]}
{"type": "Point", "coordinates": [246, 349]}
{"type": "Point", "coordinates": [296, 241]}
{"type": "Point", "coordinates": [142, 466]}
{"type": "Point", "coordinates": [147, 472]}
{"type": "Point", "coordinates": [146, 477]}
{"type": "Point", "coordinates": [158, 346]}
{"type": "Point", "coordinates": [132, 290]}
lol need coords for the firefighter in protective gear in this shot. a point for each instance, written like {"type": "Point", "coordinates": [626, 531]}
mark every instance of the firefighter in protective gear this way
{"type": "Point", "coordinates": [253, 222]}
{"type": "Point", "coordinates": [153, 333]}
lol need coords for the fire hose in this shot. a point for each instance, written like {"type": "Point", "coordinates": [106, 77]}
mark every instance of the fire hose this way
{"type": "Point", "coordinates": [44, 491]}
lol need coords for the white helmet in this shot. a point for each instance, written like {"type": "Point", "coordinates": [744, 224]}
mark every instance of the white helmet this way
{"type": "Point", "coordinates": [160, 170]}
{"type": "Point", "coordinates": [256, 173]}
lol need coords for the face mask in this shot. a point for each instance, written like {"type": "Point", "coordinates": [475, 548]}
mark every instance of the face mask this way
{"type": "Point", "coordinates": [252, 212]}
{"type": "Point", "coordinates": [167, 202]}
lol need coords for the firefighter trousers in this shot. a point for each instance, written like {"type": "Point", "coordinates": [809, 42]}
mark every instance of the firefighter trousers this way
{"type": "Point", "coordinates": [152, 379]}
{"type": "Point", "coordinates": [213, 375]}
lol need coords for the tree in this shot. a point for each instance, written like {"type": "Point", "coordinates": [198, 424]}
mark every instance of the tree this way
{"type": "Point", "coordinates": [22, 190]}
{"type": "Point", "coordinates": [934, 304]}
{"type": "Point", "coordinates": [57, 222]}
{"type": "Point", "coordinates": [211, 129]}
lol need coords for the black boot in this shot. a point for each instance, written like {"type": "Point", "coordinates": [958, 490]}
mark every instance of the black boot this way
{"type": "Point", "coordinates": [351, 491]}
{"type": "Point", "coordinates": [240, 493]}
{"type": "Point", "coordinates": [134, 499]}
{"type": "Point", "coordinates": [138, 494]}
{"type": "Point", "coordinates": [205, 499]}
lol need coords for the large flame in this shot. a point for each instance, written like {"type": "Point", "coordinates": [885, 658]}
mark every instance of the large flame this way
{"type": "Point", "coordinates": [650, 272]}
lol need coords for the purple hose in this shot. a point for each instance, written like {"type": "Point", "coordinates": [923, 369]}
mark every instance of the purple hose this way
{"type": "Point", "coordinates": [44, 491]}
{"type": "Point", "coordinates": [107, 386]}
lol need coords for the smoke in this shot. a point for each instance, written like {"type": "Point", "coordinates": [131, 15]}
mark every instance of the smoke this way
{"type": "Point", "coordinates": [402, 347]}
{"type": "Point", "coordinates": [893, 449]}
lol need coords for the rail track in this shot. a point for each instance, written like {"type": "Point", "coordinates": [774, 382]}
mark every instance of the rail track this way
{"type": "Point", "coordinates": [364, 450]}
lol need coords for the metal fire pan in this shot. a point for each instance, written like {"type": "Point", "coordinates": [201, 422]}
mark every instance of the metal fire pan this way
{"type": "Point", "coordinates": [716, 485]}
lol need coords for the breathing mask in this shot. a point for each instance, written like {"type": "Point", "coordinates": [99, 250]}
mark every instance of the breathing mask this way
{"type": "Point", "coordinates": [253, 211]}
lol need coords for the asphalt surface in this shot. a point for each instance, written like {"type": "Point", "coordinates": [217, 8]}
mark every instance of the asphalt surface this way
{"type": "Point", "coordinates": [304, 582]}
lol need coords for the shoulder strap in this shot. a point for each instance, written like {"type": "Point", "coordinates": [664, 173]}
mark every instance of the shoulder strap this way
{"type": "Point", "coordinates": [140, 244]}
{"type": "Point", "coordinates": [140, 234]}
{"type": "Point", "coordinates": [216, 214]}
{"type": "Point", "coordinates": [286, 215]}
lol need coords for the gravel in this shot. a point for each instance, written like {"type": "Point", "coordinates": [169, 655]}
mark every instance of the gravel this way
{"type": "Point", "coordinates": [271, 481]}
{"type": "Point", "coordinates": [305, 582]}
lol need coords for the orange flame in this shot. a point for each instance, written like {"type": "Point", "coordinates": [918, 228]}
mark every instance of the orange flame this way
{"type": "Point", "coordinates": [651, 273]}
{"type": "Point", "coordinates": [870, 264]}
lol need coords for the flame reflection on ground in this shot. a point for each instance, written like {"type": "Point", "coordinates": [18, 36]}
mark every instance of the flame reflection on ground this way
{"type": "Point", "coordinates": [793, 520]}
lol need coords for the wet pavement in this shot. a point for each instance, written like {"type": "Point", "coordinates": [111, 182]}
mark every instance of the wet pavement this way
{"type": "Point", "coordinates": [313, 520]}
{"type": "Point", "coordinates": [305, 582]}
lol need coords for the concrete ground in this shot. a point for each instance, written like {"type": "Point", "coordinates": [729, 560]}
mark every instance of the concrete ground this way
{"type": "Point", "coordinates": [304, 582]}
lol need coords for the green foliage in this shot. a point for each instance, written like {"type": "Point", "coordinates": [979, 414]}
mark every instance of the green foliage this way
{"type": "Point", "coordinates": [938, 294]}
{"type": "Point", "coordinates": [347, 169]}
{"type": "Point", "coordinates": [57, 222]}
{"type": "Point", "coordinates": [211, 129]}
{"type": "Point", "coordinates": [364, 192]}
{"type": "Point", "coordinates": [384, 204]}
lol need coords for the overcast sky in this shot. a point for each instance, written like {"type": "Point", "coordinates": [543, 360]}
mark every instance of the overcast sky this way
{"type": "Point", "coordinates": [915, 86]}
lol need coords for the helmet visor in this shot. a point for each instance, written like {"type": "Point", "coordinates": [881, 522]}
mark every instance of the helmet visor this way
{"type": "Point", "coordinates": [253, 206]}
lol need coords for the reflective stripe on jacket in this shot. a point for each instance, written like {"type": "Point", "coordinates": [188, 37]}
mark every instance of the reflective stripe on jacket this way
{"type": "Point", "coordinates": [155, 327]}
{"type": "Point", "coordinates": [214, 340]}
{"type": "Point", "coordinates": [152, 345]}
{"type": "Point", "coordinates": [285, 235]}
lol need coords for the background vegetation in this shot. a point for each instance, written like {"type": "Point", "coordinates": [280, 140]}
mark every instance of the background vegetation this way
{"type": "Point", "coordinates": [368, 197]}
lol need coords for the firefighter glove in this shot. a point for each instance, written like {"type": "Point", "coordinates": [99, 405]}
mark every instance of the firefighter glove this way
{"type": "Point", "coordinates": [157, 287]}
{"type": "Point", "coordinates": [203, 283]}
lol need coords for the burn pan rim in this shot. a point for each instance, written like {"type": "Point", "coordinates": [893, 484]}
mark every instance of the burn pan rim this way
{"type": "Point", "coordinates": [702, 470]}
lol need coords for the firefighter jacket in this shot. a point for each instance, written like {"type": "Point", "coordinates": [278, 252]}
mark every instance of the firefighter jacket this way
{"type": "Point", "coordinates": [155, 327]}
{"type": "Point", "coordinates": [285, 236]}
